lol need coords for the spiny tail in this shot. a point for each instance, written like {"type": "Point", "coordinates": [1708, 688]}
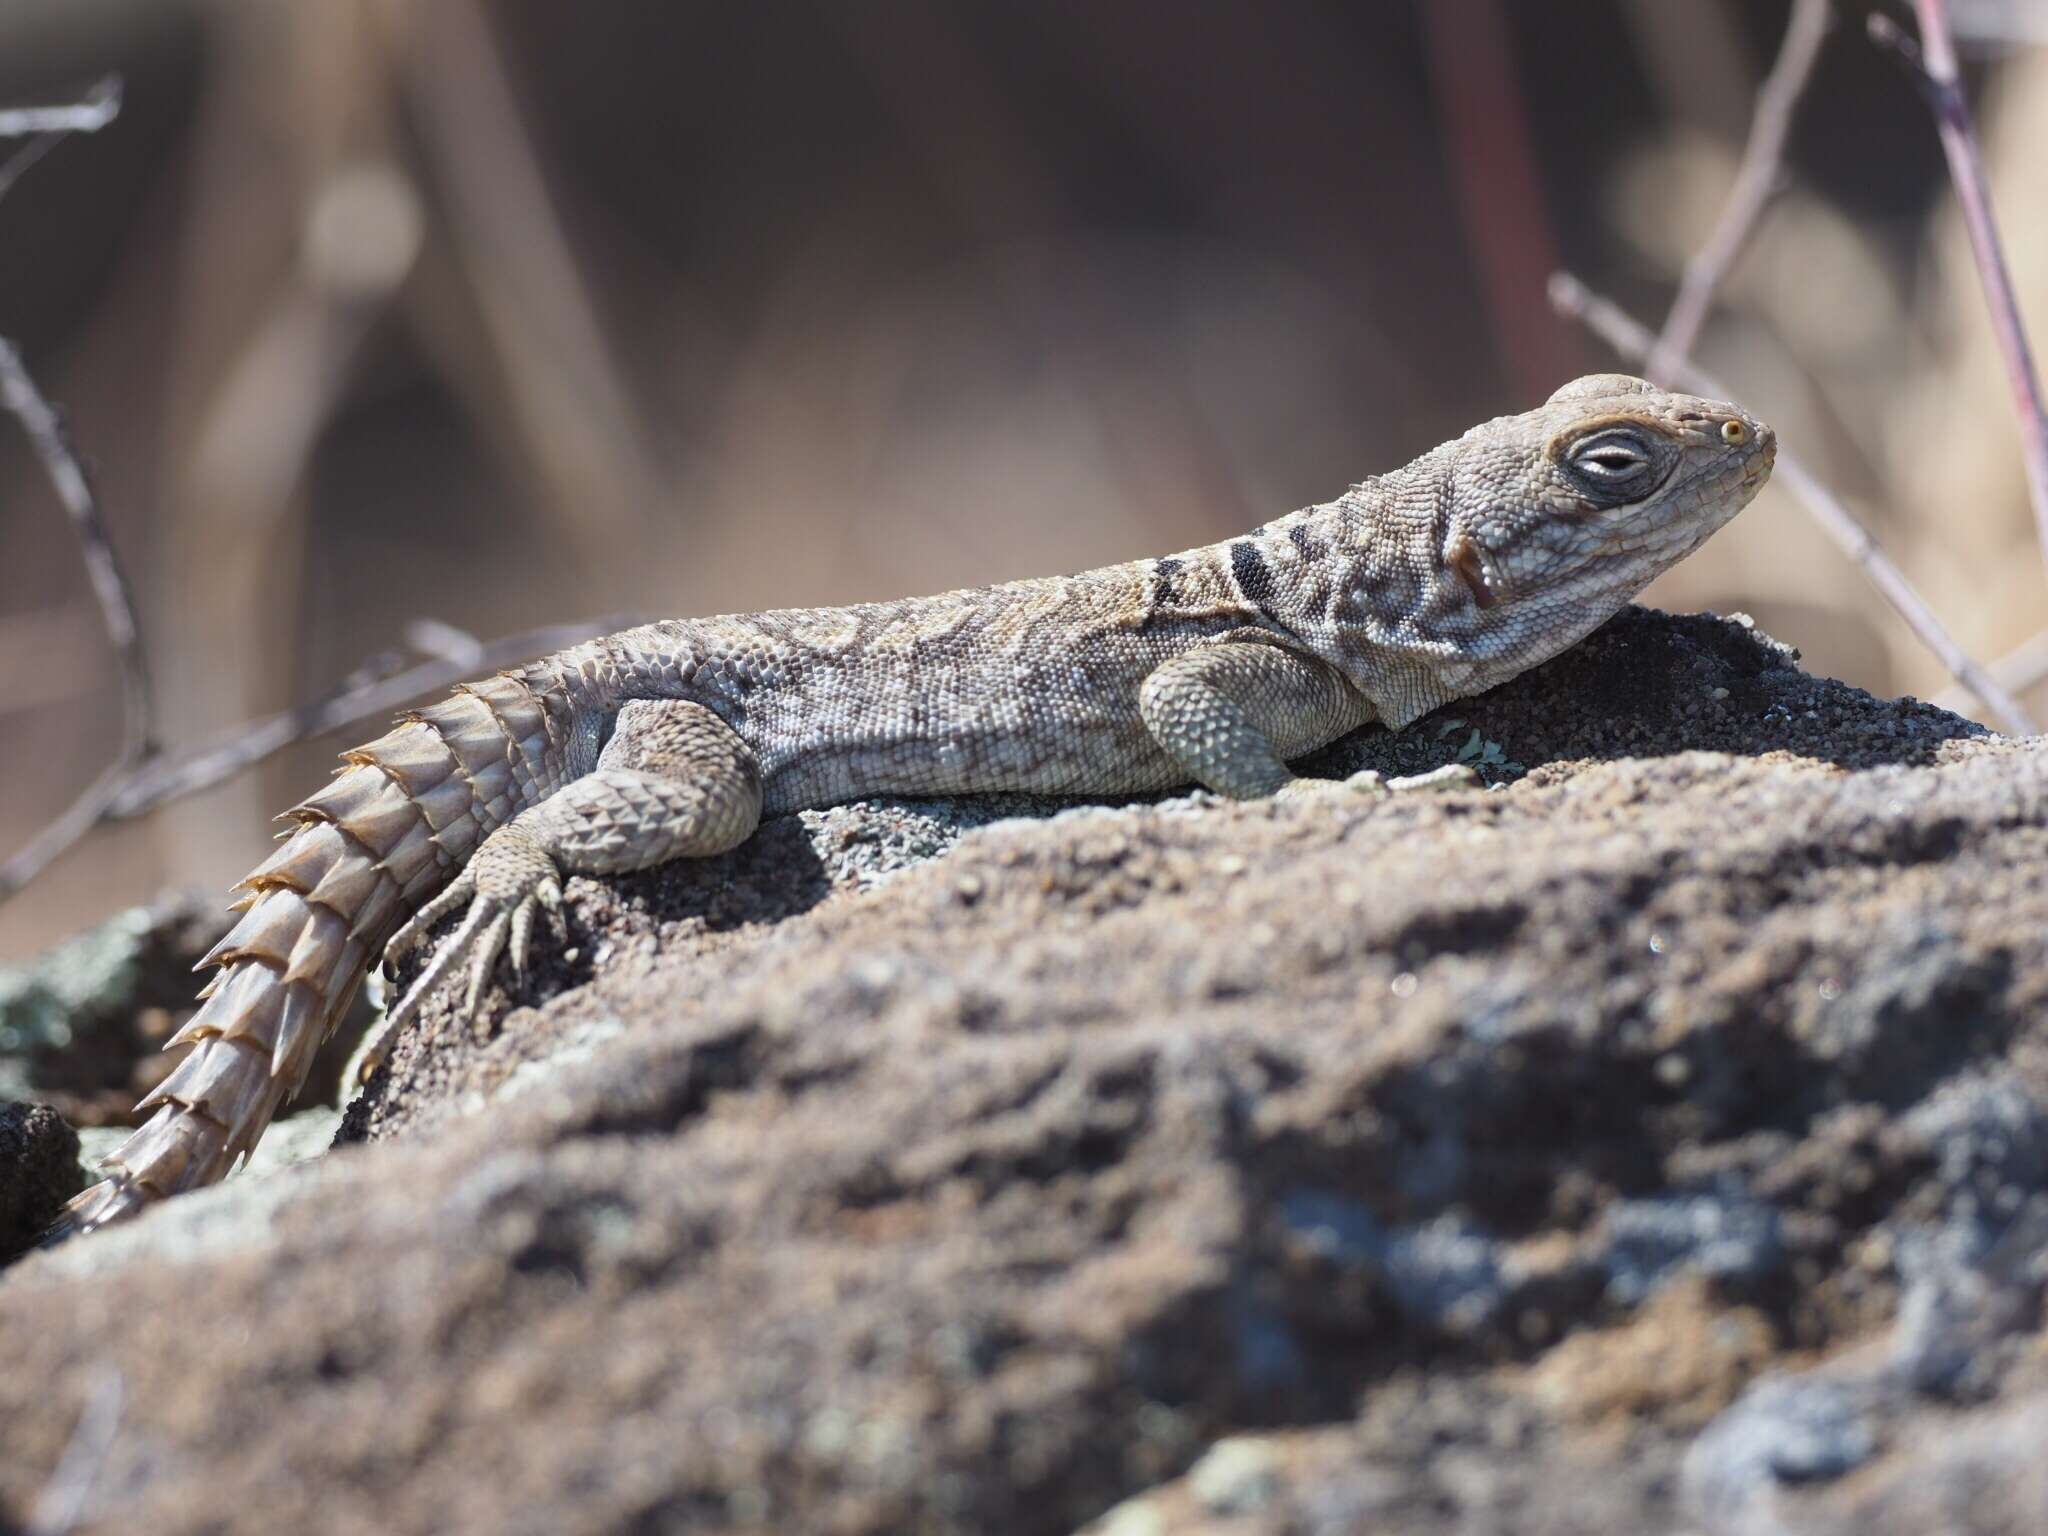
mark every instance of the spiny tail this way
{"type": "Point", "coordinates": [367, 851]}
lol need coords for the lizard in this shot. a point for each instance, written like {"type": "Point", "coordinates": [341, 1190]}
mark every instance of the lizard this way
{"type": "Point", "coordinates": [1215, 666]}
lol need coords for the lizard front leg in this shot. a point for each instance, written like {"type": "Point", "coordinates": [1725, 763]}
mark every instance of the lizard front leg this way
{"type": "Point", "coordinates": [1232, 710]}
{"type": "Point", "coordinates": [673, 781]}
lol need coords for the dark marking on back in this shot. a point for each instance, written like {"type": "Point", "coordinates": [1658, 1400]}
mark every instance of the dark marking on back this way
{"type": "Point", "coordinates": [1311, 547]}
{"type": "Point", "coordinates": [1164, 569]}
{"type": "Point", "coordinates": [1254, 577]}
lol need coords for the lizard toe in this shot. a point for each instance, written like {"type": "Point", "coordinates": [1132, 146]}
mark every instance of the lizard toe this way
{"type": "Point", "coordinates": [511, 874]}
{"type": "Point", "coordinates": [414, 932]}
{"type": "Point", "coordinates": [490, 943]}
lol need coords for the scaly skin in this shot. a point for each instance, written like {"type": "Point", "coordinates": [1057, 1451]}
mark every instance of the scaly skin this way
{"type": "Point", "coordinates": [1475, 562]}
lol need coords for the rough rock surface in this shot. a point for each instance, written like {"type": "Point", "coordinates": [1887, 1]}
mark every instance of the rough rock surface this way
{"type": "Point", "coordinates": [38, 1172]}
{"type": "Point", "coordinates": [1658, 1142]}
{"type": "Point", "coordinates": [81, 1027]}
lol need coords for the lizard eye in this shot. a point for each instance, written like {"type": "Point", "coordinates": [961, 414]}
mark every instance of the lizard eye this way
{"type": "Point", "coordinates": [1612, 461]}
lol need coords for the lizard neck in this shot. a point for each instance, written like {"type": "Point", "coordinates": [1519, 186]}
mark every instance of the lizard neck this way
{"type": "Point", "coordinates": [1360, 583]}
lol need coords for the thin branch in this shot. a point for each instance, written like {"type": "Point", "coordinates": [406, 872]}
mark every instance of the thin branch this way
{"type": "Point", "coordinates": [2019, 669]}
{"type": "Point", "coordinates": [1756, 182]}
{"type": "Point", "coordinates": [1996, 26]}
{"type": "Point", "coordinates": [376, 690]}
{"type": "Point", "coordinates": [1570, 297]}
{"type": "Point", "coordinates": [570, 395]}
{"type": "Point", "coordinates": [173, 777]}
{"type": "Point", "coordinates": [100, 106]}
{"type": "Point", "coordinates": [1934, 64]}
{"type": "Point", "coordinates": [19, 395]}
{"type": "Point", "coordinates": [432, 637]}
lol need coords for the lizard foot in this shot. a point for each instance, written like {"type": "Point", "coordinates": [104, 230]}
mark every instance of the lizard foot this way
{"type": "Point", "coordinates": [506, 884]}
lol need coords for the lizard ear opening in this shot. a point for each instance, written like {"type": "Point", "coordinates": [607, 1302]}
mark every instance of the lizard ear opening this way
{"type": "Point", "coordinates": [1464, 559]}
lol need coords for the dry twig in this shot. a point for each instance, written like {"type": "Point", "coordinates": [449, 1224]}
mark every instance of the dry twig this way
{"type": "Point", "coordinates": [143, 778]}
{"type": "Point", "coordinates": [2019, 669]}
{"type": "Point", "coordinates": [99, 107]}
{"type": "Point", "coordinates": [1933, 63]}
{"type": "Point", "coordinates": [1994, 26]}
{"type": "Point", "coordinates": [1632, 339]}
{"type": "Point", "coordinates": [20, 397]}
{"type": "Point", "coordinates": [374, 692]}
{"type": "Point", "coordinates": [570, 396]}
{"type": "Point", "coordinates": [47, 127]}
{"type": "Point", "coordinates": [1756, 181]}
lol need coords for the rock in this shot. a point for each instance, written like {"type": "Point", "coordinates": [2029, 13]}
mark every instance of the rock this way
{"type": "Point", "coordinates": [1655, 1141]}
{"type": "Point", "coordinates": [38, 1172]}
{"type": "Point", "coordinates": [1234, 1477]}
{"type": "Point", "coordinates": [83, 1026]}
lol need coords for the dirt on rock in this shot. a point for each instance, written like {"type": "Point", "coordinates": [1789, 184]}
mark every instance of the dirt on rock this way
{"type": "Point", "coordinates": [1654, 1140]}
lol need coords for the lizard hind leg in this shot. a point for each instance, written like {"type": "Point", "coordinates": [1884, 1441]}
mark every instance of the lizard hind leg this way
{"type": "Point", "coordinates": [673, 781]}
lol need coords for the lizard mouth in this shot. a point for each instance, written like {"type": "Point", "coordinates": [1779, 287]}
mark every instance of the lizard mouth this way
{"type": "Point", "coordinates": [1463, 557]}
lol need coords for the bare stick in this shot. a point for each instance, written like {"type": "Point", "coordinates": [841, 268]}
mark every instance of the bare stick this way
{"type": "Point", "coordinates": [432, 637]}
{"type": "Point", "coordinates": [1998, 26]}
{"type": "Point", "coordinates": [47, 127]}
{"type": "Point", "coordinates": [1934, 65]}
{"type": "Point", "coordinates": [102, 104]}
{"type": "Point", "coordinates": [1756, 181]}
{"type": "Point", "coordinates": [18, 393]}
{"type": "Point", "coordinates": [1629, 337]}
{"type": "Point", "coordinates": [376, 690]}
{"type": "Point", "coordinates": [172, 777]}
{"type": "Point", "coordinates": [2018, 669]}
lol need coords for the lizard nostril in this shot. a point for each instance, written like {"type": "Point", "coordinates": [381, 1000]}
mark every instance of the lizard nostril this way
{"type": "Point", "coordinates": [1734, 433]}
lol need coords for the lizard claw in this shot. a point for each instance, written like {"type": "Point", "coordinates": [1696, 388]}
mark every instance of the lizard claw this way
{"type": "Point", "coordinates": [511, 877]}
{"type": "Point", "coordinates": [409, 937]}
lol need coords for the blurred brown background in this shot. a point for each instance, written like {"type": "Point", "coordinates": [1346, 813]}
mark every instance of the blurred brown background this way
{"type": "Point", "coordinates": [503, 314]}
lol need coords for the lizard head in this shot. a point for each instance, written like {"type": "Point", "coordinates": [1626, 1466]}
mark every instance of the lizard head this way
{"type": "Point", "coordinates": [1572, 509]}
